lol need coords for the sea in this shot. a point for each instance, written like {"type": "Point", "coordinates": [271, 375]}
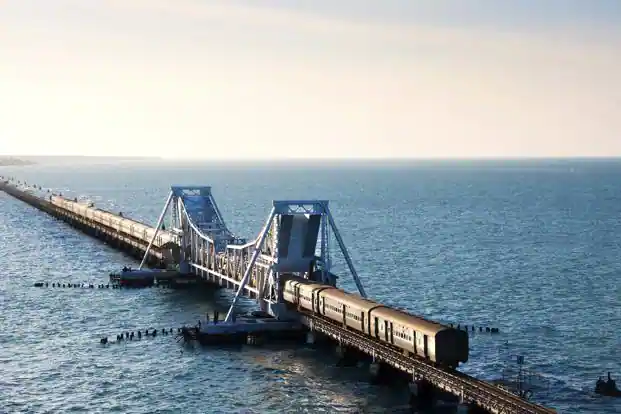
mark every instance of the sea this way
{"type": "Point", "coordinates": [531, 247]}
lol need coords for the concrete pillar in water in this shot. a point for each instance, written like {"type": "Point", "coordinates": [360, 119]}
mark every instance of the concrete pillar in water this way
{"type": "Point", "coordinates": [377, 372]}
{"type": "Point", "coordinates": [383, 373]}
{"type": "Point", "coordinates": [422, 394]}
{"type": "Point", "coordinates": [471, 408]}
{"type": "Point", "coordinates": [346, 356]}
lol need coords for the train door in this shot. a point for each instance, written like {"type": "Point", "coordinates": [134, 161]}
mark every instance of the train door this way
{"type": "Point", "coordinates": [385, 330]}
{"type": "Point", "coordinates": [362, 321]}
{"type": "Point", "coordinates": [317, 304]}
{"type": "Point", "coordinates": [296, 297]}
{"type": "Point", "coordinates": [313, 307]}
{"type": "Point", "coordinates": [376, 327]}
{"type": "Point", "coordinates": [392, 337]}
{"type": "Point", "coordinates": [426, 346]}
{"type": "Point", "coordinates": [344, 315]}
{"type": "Point", "coordinates": [414, 341]}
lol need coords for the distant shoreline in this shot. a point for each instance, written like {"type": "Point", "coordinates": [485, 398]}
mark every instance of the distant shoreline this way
{"type": "Point", "coordinates": [11, 161]}
{"type": "Point", "coordinates": [19, 160]}
{"type": "Point", "coordinates": [40, 160]}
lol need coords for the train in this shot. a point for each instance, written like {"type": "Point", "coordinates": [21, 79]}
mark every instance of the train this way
{"type": "Point", "coordinates": [121, 224]}
{"type": "Point", "coordinates": [440, 344]}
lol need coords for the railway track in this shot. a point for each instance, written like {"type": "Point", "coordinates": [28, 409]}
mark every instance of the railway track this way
{"type": "Point", "coordinates": [469, 389]}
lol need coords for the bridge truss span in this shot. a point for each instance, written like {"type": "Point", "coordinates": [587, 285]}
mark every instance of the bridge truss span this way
{"type": "Point", "coordinates": [295, 239]}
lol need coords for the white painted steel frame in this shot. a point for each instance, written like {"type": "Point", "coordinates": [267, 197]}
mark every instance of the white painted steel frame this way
{"type": "Point", "coordinates": [255, 255]}
{"type": "Point", "coordinates": [157, 229]}
{"type": "Point", "coordinates": [201, 243]}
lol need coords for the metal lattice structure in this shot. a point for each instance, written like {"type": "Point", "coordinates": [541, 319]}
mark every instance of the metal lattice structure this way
{"type": "Point", "coordinates": [295, 239]}
{"type": "Point", "coordinates": [523, 381]}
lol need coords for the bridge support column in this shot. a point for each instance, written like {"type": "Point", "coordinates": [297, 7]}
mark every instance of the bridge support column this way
{"type": "Point", "coordinates": [382, 373]}
{"type": "Point", "coordinates": [318, 340]}
{"type": "Point", "coordinates": [471, 408]}
{"type": "Point", "coordinates": [422, 394]}
{"type": "Point", "coordinates": [347, 356]}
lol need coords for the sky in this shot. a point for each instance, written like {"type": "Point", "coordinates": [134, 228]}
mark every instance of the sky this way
{"type": "Point", "coordinates": [252, 79]}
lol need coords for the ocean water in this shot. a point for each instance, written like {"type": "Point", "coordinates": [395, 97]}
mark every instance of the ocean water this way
{"type": "Point", "coordinates": [530, 247]}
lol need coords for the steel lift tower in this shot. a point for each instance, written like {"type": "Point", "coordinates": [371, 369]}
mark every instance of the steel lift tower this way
{"type": "Point", "coordinates": [295, 240]}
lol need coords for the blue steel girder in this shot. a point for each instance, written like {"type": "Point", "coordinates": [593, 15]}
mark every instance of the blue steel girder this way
{"type": "Point", "coordinates": [200, 205]}
{"type": "Point", "coordinates": [300, 206]}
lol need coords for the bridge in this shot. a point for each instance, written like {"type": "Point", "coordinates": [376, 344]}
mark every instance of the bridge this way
{"type": "Point", "coordinates": [296, 240]}
{"type": "Point", "coordinates": [125, 234]}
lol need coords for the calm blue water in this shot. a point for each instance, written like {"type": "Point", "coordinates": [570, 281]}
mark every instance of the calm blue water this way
{"type": "Point", "coordinates": [533, 248]}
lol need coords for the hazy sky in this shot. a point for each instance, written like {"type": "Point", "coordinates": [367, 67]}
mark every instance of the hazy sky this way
{"type": "Point", "coordinates": [311, 78]}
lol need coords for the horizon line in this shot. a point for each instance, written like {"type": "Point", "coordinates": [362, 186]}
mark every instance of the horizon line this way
{"type": "Point", "coordinates": [349, 159]}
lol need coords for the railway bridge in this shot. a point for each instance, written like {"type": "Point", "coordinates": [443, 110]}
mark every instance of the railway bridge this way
{"type": "Point", "coordinates": [297, 239]}
{"type": "Point", "coordinates": [132, 236]}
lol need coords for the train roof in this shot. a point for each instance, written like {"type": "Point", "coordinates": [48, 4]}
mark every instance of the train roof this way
{"type": "Point", "coordinates": [353, 299]}
{"type": "Point", "coordinates": [305, 282]}
{"type": "Point", "coordinates": [165, 235]}
{"type": "Point", "coordinates": [421, 323]}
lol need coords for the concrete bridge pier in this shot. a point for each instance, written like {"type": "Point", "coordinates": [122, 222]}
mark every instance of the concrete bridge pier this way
{"type": "Point", "coordinates": [422, 394]}
{"type": "Point", "coordinates": [348, 357]}
{"type": "Point", "coordinates": [382, 373]}
{"type": "Point", "coordinates": [318, 340]}
{"type": "Point", "coordinates": [472, 408]}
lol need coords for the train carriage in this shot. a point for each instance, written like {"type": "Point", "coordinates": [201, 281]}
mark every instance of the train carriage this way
{"type": "Point", "coordinates": [352, 310]}
{"type": "Point", "coordinates": [412, 334]}
{"type": "Point", "coordinates": [118, 223]}
{"type": "Point", "coordinates": [302, 293]}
